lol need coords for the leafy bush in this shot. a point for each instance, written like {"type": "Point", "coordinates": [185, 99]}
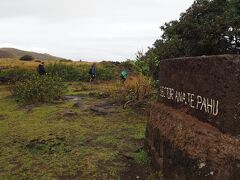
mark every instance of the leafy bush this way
{"type": "Point", "coordinates": [105, 71]}
{"type": "Point", "coordinates": [106, 74]}
{"type": "Point", "coordinates": [13, 75]}
{"type": "Point", "coordinates": [139, 65]}
{"type": "Point", "coordinates": [27, 58]}
{"type": "Point", "coordinates": [38, 89]}
{"type": "Point", "coordinates": [84, 76]}
{"type": "Point", "coordinates": [129, 65]}
{"type": "Point", "coordinates": [75, 73]}
{"type": "Point", "coordinates": [205, 28]}
{"type": "Point", "coordinates": [64, 71]}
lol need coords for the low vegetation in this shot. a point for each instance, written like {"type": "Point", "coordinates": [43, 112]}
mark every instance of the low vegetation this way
{"type": "Point", "coordinates": [141, 157]}
{"type": "Point", "coordinates": [14, 75]}
{"type": "Point", "coordinates": [65, 141]}
{"type": "Point", "coordinates": [38, 89]}
{"type": "Point", "coordinates": [136, 90]}
{"type": "Point", "coordinates": [89, 135]}
{"type": "Point", "coordinates": [85, 135]}
{"type": "Point", "coordinates": [68, 71]}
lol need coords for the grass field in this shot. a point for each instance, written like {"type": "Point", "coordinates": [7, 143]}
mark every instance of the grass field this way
{"type": "Point", "coordinates": [82, 137]}
{"type": "Point", "coordinates": [16, 63]}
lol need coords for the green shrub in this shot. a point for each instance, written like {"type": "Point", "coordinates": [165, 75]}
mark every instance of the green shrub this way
{"type": "Point", "coordinates": [13, 75]}
{"type": "Point", "coordinates": [64, 71]}
{"type": "Point", "coordinates": [129, 65]}
{"type": "Point", "coordinates": [84, 69]}
{"type": "Point", "coordinates": [105, 71]}
{"type": "Point", "coordinates": [139, 65]}
{"type": "Point", "coordinates": [106, 74]}
{"type": "Point", "coordinates": [39, 89]}
{"type": "Point", "coordinates": [108, 70]}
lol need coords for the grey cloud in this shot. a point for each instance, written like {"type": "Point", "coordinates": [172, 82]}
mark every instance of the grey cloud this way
{"type": "Point", "coordinates": [86, 29]}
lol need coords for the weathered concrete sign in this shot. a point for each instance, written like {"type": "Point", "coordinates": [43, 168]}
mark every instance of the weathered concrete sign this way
{"type": "Point", "coordinates": [193, 130]}
{"type": "Point", "coordinates": [208, 87]}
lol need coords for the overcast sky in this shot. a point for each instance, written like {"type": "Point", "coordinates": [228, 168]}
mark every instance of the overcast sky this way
{"type": "Point", "coordinates": [86, 29]}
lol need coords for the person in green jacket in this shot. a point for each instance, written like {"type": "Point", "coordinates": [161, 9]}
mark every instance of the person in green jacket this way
{"type": "Point", "coordinates": [123, 75]}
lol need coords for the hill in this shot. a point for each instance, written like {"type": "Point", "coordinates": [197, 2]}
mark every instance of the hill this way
{"type": "Point", "coordinates": [16, 53]}
{"type": "Point", "coordinates": [6, 54]}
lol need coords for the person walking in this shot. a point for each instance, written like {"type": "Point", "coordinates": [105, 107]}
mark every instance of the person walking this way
{"type": "Point", "coordinates": [41, 69]}
{"type": "Point", "coordinates": [123, 75]}
{"type": "Point", "coordinates": [92, 73]}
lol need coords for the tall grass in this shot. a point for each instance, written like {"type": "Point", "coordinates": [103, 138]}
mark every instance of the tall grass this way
{"type": "Point", "coordinates": [136, 89]}
{"type": "Point", "coordinates": [68, 71]}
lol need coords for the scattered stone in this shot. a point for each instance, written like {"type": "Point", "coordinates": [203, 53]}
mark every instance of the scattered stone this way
{"type": "Point", "coordinates": [69, 113]}
{"type": "Point", "coordinates": [99, 111]}
{"type": "Point", "coordinates": [77, 105]}
{"type": "Point", "coordinates": [73, 98]}
{"type": "Point", "coordinates": [104, 95]}
{"type": "Point", "coordinates": [29, 108]}
{"type": "Point", "coordinates": [201, 165]}
{"type": "Point", "coordinates": [92, 94]}
{"type": "Point", "coordinates": [100, 95]}
{"type": "Point", "coordinates": [127, 156]}
{"type": "Point", "coordinates": [2, 117]}
{"type": "Point", "coordinates": [104, 109]}
{"type": "Point", "coordinates": [59, 101]}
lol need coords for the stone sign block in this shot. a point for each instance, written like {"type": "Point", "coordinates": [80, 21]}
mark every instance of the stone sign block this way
{"type": "Point", "coordinates": [206, 87]}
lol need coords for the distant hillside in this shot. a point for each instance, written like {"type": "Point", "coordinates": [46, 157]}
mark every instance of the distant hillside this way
{"type": "Point", "coordinates": [6, 54]}
{"type": "Point", "coordinates": [16, 53]}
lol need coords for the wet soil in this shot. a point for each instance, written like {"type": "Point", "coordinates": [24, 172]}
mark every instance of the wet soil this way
{"type": "Point", "coordinates": [105, 107]}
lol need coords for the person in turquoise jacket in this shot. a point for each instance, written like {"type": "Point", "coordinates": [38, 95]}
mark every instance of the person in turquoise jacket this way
{"type": "Point", "coordinates": [123, 75]}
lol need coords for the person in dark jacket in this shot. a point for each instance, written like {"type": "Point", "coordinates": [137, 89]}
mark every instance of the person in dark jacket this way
{"type": "Point", "coordinates": [41, 69]}
{"type": "Point", "coordinates": [92, 72]}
